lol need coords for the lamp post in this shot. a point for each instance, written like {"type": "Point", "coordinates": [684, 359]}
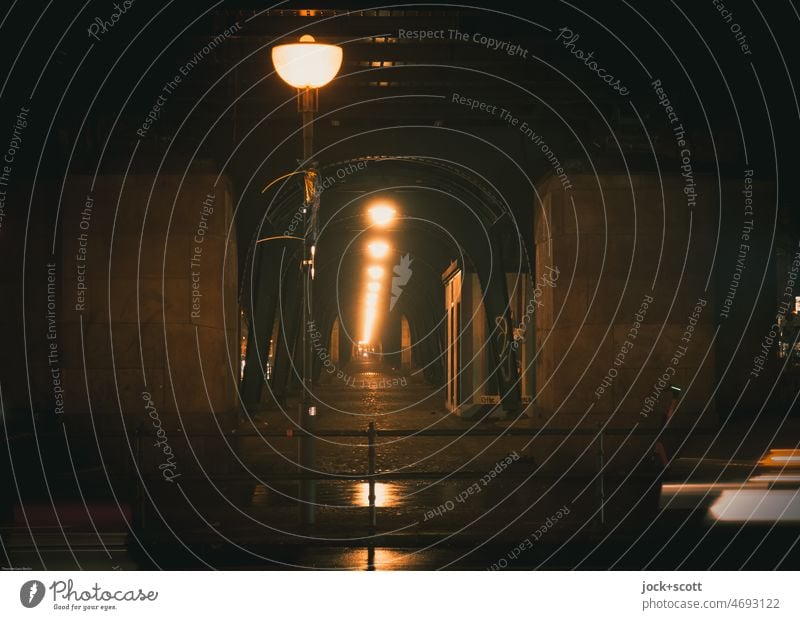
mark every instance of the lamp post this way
{"type": "Point", "coordinates": [307, 66]}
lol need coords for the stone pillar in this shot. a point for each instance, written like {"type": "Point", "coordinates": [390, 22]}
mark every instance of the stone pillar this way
{"type": "Point", "coordinates": [334, 348]}
{"type": "Point", "coordinates": [632, 309]}
{"type": "Point", "coordinates": [405, 345]}
{"type": "Point", "coordinates": [150, 313]}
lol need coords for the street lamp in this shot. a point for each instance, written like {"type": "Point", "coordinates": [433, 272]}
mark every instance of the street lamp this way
{"type": "Point", "coordinates": [381, 214]}
{"type": "Point", "coordinates": [307, 66]}
{"type": "Point", "coordinates": [378, 249]}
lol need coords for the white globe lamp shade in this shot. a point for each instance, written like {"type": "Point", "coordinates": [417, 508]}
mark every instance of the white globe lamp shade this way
{"type": "Point", "coordinates": [307, 64]}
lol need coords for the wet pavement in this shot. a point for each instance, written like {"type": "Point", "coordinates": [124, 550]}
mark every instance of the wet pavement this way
{"type": "Point", "coordinates": [449, 501]}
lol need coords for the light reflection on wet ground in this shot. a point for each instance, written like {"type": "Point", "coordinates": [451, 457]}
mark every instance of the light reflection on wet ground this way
{"type": "Point", "coordinates": [326, 558]}
{"type": "Point", "coordinates": [421, 522]}
{"type": "Point", "coordinates": [338, 495]}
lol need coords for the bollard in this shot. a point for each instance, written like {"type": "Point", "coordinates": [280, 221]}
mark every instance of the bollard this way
{"type": "Point", "coordinates": [307, 459]}
{"type": "Point", "coordinates": [601, 491]}
{"type": "Point", "coordinates": [139, 477]}
{"type": "Point", "coordinates": [373, 517]}
{"type": "Point", "coordinates": [234, 458]}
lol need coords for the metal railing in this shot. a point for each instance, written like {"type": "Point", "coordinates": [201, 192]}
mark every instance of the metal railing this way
{"type": "Point", "coordinates": [372, 433]}
{"type": "Point", "coordinates": [371, 475]}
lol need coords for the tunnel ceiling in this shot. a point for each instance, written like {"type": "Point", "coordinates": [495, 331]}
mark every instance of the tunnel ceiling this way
{"type": "Point", "coordinates": [392, 95]}
{"type": "Point", "coordinates": [395, 96]}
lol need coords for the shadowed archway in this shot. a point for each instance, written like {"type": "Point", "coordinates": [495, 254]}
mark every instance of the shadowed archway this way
{"type": "Point", "coordinates": [447, 213]}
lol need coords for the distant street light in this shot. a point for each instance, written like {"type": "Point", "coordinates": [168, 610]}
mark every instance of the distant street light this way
{"type": "Point", "coordinates": [375, 272]}
{"type": "Point", "coordinates": [307, 66]}
{"type": "Point", "coordinates": [381, 214]}
{"type": "Point", "coordinates": [378, 249]}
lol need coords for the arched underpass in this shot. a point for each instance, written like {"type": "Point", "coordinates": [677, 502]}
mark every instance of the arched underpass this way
{"type": "Point", "coordinates": [561, 251]}
{"type": "Point", "coordinates": [446, 214]}
{"type": "Point", "coordinates": [439, 473]}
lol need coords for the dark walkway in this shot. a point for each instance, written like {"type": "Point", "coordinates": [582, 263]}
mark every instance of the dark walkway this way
{"type": "Point", "coordinates": [454, 500]}
{"type": "Point", "coordinates": [443, 501]}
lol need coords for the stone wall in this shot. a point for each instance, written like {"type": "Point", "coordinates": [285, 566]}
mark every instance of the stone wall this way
{"type": "Point", "coordinates": [126, 314]}
{"type": "Point", "coordinates": [633, 309]}
{"type": "Point", "coordinates": [149, 282]}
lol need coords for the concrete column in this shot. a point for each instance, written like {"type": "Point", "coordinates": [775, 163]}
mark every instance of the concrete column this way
{"type": "Point", "coordinates": [149, 319]}
{"type": "Point", "coordinates": [405, 345]}
{"type": "Point", "coordinates": [334, 348]}
{"type": "Point", "coordinates": [626, 304]}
